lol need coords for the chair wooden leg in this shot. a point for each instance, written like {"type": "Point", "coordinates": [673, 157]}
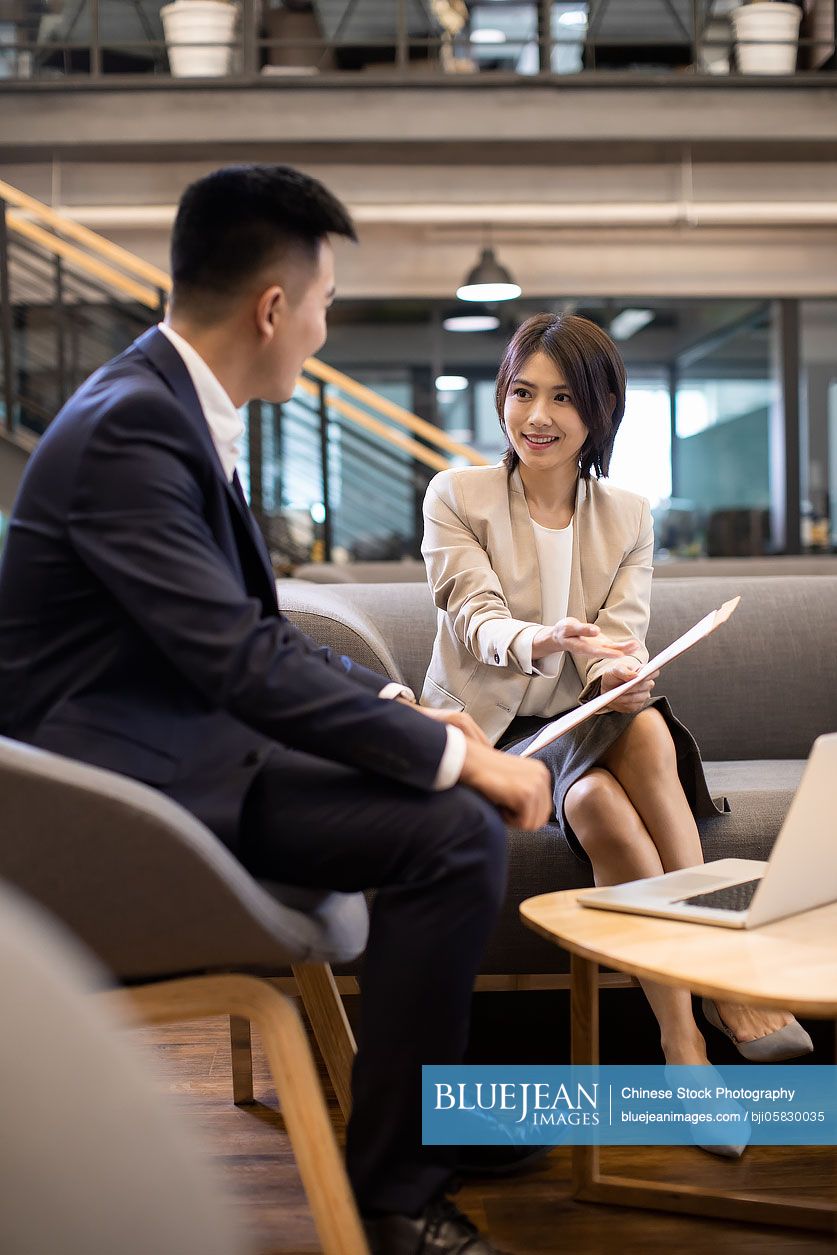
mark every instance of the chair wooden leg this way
{"type": "Point", "coordinates": [294, 1075]}
{"type": "Point", "coordinates": [241, 1059]}
{"type": "Point", "coordinates": [327, 1016]}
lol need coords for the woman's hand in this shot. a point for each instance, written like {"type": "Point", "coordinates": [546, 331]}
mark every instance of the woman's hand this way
{"type": "Point", "coordinates": [456, 719]}
{"type": "Point", "coordinates": [635, 699]}
{"type": "Point", "coordinates": [576, 637]}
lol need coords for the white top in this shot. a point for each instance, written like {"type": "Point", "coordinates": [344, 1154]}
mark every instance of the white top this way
{"type": "Point", "coordinates": [555, 555]}
{"type": "Point", "coordinates": [226, 427]}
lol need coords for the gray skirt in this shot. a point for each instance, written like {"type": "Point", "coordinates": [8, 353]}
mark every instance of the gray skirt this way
{"type": "Point", "coordinates": [571, 756]}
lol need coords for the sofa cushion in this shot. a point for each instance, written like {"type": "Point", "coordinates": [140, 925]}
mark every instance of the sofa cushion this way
{"type": "Point", "coordinates": [765, 685]}
{"type": "Point", "coordinates": [754, 774]}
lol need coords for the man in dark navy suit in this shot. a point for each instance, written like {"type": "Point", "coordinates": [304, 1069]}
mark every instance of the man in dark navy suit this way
{"type": "Point", "coordinates": [139, 631]}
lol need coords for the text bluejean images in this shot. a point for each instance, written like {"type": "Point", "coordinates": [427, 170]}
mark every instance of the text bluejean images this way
{"type": "Point", "coordinates": [642, 1105]}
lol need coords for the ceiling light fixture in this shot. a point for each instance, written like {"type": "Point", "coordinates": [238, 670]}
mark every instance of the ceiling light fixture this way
{"type": "Point", "coordinates": [488, 281]}
{"type": "Point", "coordinates": [451, 383]}
{"type": "Point", "coordinates": [471, 320]}
{"type": "Point", "coordinates": [629, 321]}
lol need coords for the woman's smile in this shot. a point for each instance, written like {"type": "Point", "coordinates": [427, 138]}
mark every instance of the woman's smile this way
{"type": "Point", "coordinates": [535, 441]}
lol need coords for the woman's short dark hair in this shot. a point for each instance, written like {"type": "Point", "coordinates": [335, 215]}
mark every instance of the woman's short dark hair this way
{"type": "Point", "coordinates": [592, 369]}
{"type": "Point", "coordinates": [233, 222]}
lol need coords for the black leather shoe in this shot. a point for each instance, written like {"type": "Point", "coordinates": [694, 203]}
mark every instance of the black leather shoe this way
{"type": "Point", "coordinates": [441, 1229]}
{"type": "Point", "coordinates": [499, 1161]}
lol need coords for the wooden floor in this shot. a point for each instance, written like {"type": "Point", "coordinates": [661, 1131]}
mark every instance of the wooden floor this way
{"type": "Point", "coordinates": [528, 1215]}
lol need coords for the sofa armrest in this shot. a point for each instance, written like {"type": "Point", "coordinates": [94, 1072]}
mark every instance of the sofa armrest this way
{"type": "Point", "coordinates": [329, 614]}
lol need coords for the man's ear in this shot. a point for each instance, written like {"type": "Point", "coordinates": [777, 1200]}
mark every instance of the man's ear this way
{"type": "Point", "coordinates": [269, 309]}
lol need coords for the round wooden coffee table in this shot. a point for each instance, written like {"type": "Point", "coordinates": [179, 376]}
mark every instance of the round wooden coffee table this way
{"type": "Point", "coordinates": [791, 964]}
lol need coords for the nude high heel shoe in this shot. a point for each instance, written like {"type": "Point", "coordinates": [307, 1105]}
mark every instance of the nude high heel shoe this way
{"type": "Point", "coordinates": [698, 1075]}
{"type": "Point", "coordinates": [783, 1043]}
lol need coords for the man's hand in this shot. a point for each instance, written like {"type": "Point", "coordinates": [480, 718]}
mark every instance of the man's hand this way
{"type": "Point", "coordinates": [520, 787]}
{"type": "Point", "coordinates": [455, 718]}
{"type": "Point", "coordinates": [635, 699]}
{"type": "Point", "coordinates": [585, 639]}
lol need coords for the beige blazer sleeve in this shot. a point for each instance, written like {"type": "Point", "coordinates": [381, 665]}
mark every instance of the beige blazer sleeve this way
{"type": "Point", "coordinates": [627, 609]}
{"type": "Point", "coordinates": [464, 583]}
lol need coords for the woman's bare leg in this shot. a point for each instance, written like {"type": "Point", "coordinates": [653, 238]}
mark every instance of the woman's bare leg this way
{"type": "Point", "coordinates": [644, 762]}
{"type": "Point", "coordinates": [620, 848]}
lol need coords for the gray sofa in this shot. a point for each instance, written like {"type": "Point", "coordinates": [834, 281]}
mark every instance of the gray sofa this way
{"type": "Point", "coordinates": [755, 695]}
{"type": "Point", "coordinates": [411, 570]}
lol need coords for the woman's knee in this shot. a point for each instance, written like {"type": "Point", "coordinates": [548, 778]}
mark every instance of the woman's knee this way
{"type": "Point", "coordinates": [592, 798]}
{"type": "Point", "coordinates": [600, 813]}
{"type": "Point", "coordinates": [649, 735]}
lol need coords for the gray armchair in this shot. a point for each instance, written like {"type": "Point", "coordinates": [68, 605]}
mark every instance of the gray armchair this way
{"type": "Point", "coordinates": [182, 925]}
{"type": "Point", "coordinates": [92, 1158]}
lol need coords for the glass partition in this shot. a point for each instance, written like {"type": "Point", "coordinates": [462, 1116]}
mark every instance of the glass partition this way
{"type": "Point", "coordinates": [641, 458]}
{"type": "Point", "coordinates": [725, 390]}
{"type": "Point", "coordinates": [818, 425]}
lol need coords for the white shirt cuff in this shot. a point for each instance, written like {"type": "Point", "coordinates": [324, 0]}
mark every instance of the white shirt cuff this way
{"type": "Point", "coordinates": [549, 665]}
{"type": "Point", "coordinates": [523, 643]}
{"type": "Point", "coordinates": [394, 689]}
{"type": "Point", "coordinates": [453, 760]}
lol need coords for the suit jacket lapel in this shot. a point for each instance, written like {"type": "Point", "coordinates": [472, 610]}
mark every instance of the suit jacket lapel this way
{"type": "Point", "coordinates": [167, 362]}
{"type": "Point", "coordinates": [236, 493]}
{"type": "Point", "coordinates": [576, 607]}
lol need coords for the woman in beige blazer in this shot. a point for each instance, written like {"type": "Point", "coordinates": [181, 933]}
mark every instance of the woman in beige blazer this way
{"type": "Point", "coordinates": [541, 572]}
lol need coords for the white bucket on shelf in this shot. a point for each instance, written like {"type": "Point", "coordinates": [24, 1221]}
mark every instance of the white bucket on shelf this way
{"type": "Point", "coordinates": [208, 26]}
{"type": "Point", "coordinates": [767, 33]}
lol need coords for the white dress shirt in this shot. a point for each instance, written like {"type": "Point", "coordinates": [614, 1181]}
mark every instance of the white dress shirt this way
{"type": "Point", "coordinates": [555, 554]}
{"type": "Point", "coordinates": [226, 427]}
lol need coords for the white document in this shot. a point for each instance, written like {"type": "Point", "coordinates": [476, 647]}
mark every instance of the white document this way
{"type": "Point", "coordinates": [586, 710]}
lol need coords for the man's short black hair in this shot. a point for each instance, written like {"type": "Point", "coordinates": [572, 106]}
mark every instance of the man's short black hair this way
{"type": "Point", "coordinates": [235, 221]}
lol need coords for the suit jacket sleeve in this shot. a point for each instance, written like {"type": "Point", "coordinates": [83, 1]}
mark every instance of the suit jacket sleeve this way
{"type": "Point", "coordinates": [466, 586]}
{"type": "Point", "coordinates": [627, 610]}
{"type": "Point", "coordinates": [137, 520]}
{"type": "Point", "coordinates": [371, 680]}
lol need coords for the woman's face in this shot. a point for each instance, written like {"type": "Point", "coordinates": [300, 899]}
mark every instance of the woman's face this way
{"type": "Point", "coordinates": [542, 423]}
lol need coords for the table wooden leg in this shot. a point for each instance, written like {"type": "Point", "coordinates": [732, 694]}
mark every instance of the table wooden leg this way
{"type": "Point", "coordinates": [584, 1010]}
{"type": "Point", "coordinates": [699, 1200]}
{"type": "Point", "coordinates": [589, 1184]}
{"type": "Point", "coordinates": [584, 1021]}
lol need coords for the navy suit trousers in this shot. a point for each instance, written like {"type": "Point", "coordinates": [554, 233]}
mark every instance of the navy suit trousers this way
{"type": "Point", "coordinates": [438, 864]}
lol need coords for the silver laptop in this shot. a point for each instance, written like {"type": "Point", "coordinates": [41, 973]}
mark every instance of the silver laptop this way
{"type": "Point", "coordinates": [741, 892]}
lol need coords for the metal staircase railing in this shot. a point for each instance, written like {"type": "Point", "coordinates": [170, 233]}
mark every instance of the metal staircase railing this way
{"type": "Point", "coordinates": [337, 472]}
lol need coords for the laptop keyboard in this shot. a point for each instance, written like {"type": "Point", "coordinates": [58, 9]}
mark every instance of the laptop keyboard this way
{"type": "Point", "coordinates": [730, 898]}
